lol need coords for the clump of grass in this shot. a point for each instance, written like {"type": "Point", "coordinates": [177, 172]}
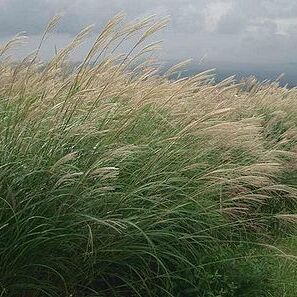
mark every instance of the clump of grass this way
{"type": "Point", "coordinates": [118, 181]}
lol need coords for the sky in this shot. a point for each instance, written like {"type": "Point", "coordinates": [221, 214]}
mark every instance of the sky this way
{"type": "Point", "coordinates": [243, 32]}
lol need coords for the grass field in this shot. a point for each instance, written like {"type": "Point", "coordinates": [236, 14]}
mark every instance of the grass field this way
{"type": "Point", "coordinates": [118, 181]}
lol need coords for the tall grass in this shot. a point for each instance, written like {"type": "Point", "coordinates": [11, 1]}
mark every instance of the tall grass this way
{"type": "Point", "coordinates": [118, 181]}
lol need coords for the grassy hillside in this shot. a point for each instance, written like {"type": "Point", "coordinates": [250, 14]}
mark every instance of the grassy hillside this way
{"type": "Point", "coordinates": [116, 181]}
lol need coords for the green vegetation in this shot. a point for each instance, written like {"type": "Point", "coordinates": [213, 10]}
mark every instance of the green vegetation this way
{"type": "Point", "coordinates": [118, 181]}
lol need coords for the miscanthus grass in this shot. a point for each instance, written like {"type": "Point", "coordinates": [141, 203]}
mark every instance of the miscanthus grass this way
{"type": "Point", "coordinates": [116, 180]}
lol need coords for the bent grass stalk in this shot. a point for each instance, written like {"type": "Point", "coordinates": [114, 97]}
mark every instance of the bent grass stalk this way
{"type": "Point", "coordinates": [117, 180]}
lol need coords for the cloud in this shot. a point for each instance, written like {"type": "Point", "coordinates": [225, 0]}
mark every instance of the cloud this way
{"type": "Point", "coordinates": [239, 31]}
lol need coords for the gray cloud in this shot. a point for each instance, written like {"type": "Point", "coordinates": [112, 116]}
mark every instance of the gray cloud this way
{"type": "Point", "coordinates": [239, 31]}
{"type": "Point", "coordinates": [232, 24]}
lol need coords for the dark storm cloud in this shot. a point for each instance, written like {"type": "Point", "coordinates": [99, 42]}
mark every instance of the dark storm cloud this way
{"type": "Point", "coordinates": [258, 31]}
